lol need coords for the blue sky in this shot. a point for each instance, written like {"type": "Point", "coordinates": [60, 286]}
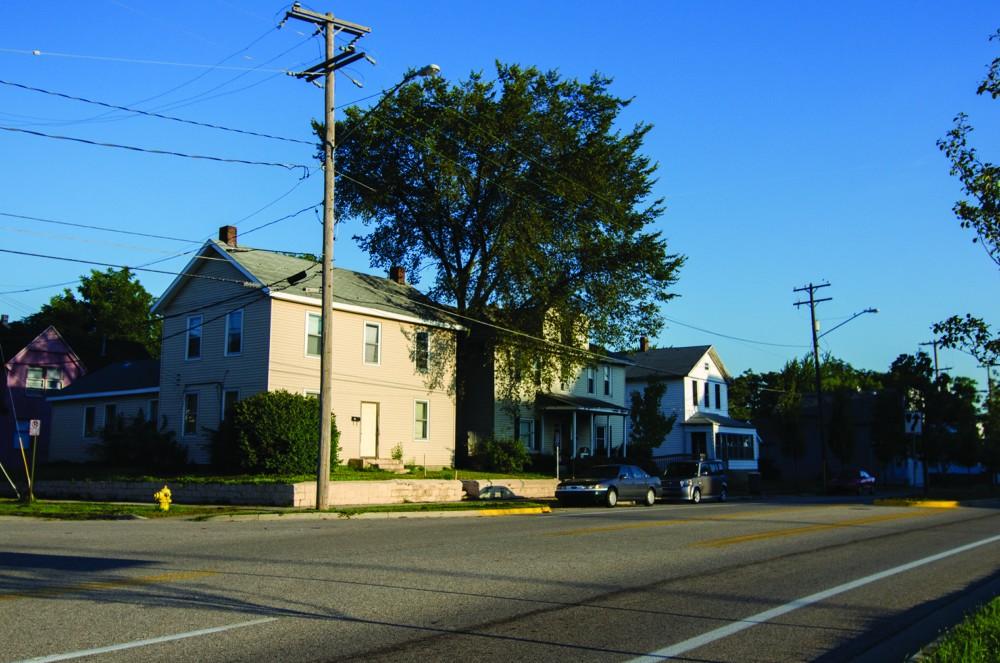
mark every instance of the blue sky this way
{"type": "Point", "coordinates": [796, 143]}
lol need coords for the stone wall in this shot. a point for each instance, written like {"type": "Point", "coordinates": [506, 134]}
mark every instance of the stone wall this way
{"type": "Point", "coordinates": [303, 494]}
{"type": "Point", "coordinates": [526, 488]}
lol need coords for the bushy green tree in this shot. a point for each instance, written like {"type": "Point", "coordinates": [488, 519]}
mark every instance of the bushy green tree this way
{"type": "Point", "coordinates": [139, 445]}
{"type": "Point", "coordinates": [499, 455]}
{"type": "Point", "coordinates": [649, 425]}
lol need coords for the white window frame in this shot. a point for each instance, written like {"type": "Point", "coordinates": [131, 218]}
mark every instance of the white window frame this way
{"type": "Point", "coordinates": [427, 421]}
{"type": "Point", "coordinates": [531, 441]}
{"type": "Point", "coordinates": [608, 390]}
{"type": "Point", "coordinates": [591, 380]}
{"type": "Point", "coordinates": [36, 383]}
{"type": "Point", "coordinates": [427, 351]}
{"type": "Point", "coordinates": [187, 337]}
{"type": "Point", "coordinates": [93, 424]}
{"type": "Point", "coordinates": [309, 316]}
{"type": "Point", "coordinates": [378, 344]}
{"type": "Point", "coordinates": [225, 340]}
{"type": "Point", "coordinates": [222, 404]}
{"type": "Point", "coordinates": [315, 393]}
{"type": "Point", "coordinates": [197, 406]}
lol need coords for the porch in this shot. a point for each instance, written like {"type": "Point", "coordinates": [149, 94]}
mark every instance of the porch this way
{"type": "Point", "coordinates": [579, 427]}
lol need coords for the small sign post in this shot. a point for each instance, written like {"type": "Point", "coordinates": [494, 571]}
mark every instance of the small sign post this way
{"type": "Point", "coordinates": [34, 430]}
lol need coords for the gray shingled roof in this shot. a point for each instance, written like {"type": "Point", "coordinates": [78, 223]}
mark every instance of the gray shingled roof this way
{"type": "Point", "coordinates": [349, 287]}
{"type": "Point", "coordinates": [122, 376]}
{"type": "Point", "coordinates": [705, 418]}
{"type": "Point", "coordinates": [666, 362]}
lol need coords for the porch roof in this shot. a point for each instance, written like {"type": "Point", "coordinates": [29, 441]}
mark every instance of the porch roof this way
{"type": "Point", "coordinates": [710, 418]}
{"type": "Point", "coordinates": [569, 402]}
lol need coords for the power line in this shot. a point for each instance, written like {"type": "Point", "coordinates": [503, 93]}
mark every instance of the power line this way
{"type": "Point", "coordinates": [733, 338]}
{"type": "Point", "coordinates": [155, 115]}
{"type": "Point", "coordinates": [106, 264]}
{"type": "Point", "coordinates": [101, 228]}
{"type": "Point", "coordinates": [286, 166]}
{"type": "Point", "coordinates": [108, 58]}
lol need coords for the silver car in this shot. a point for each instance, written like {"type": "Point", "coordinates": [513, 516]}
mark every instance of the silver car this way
{"type": "Point", "coordinates": [607, 484]}
{"type": "Point", "coordinates": [695, 480]}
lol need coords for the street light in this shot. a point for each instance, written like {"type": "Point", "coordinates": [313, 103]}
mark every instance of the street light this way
{"type": "Point", "coordinates": [858, 314]}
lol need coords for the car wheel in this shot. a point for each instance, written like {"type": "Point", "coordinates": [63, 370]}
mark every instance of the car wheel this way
{"type": "Point", "coordinates": [650, 498]}
{"type": "Point", "coordinates": [612, 498]}
{"type": "Point", "coordinates": [696, 496]}
{"type": "Point", "coordinates": [724, 495]}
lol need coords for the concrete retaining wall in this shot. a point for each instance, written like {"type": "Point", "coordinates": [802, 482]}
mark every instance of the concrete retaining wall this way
{"type": "Point", "coordinates": [527, 488]}
{"type": "Point", "coordinates": [303, 494]}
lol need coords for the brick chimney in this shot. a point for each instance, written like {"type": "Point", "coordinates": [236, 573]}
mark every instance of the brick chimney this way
{"type": "Point", "coordinates": [227, 235]}
{"type": "Point", "coordinates": [397, 274]}
{"type": "Point", "coordinates": [643, 344]}
{"type": "Point", "coordinates": [4, 320]}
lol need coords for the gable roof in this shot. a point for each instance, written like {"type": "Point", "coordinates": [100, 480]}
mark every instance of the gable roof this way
{"type": "Point", "coordinates": [50, 333]}
{"type": "Point", "coordinates": [121, 378]}
{"type": "Point", "coordinates": [671, 362]}
{"type": "Point", "coordinates": [352, 291]}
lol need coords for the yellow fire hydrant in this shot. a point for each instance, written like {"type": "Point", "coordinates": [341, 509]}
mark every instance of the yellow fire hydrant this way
{"type": "Point", "coordinates": [162, 498]}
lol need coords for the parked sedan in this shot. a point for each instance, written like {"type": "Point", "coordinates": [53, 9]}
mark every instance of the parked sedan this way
{"type": "Point", "coordinates": [853, 481]}
{"type": "Point", "coordinates": [607, 484]}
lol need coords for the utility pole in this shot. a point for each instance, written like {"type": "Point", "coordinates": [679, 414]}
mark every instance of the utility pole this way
{"type": "Point", "coordinates": [811, 289]}
{"type": "Point", "coordinates": [935, 343]}
{"type": "Point", "coordinates": [989, 378]}
{"type": "Point", "coordinates": [331, 27]}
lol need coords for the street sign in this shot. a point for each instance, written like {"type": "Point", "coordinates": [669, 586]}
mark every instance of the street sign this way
{"type": "Point", "coordinates": [913, 422]}
{"type": "Point", "coordinates": [35, 427]}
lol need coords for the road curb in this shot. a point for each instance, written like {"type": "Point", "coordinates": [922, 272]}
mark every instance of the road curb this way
{"type": "Point", "coordinates": [384, 515]}
{"type": "Point", "coordinates": [926, 504]}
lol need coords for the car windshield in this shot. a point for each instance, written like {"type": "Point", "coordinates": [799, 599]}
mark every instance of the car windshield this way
{"type": "Point", "coordinates": [681, 470]}
{"type": "Point", "coordinates": [601, 472]}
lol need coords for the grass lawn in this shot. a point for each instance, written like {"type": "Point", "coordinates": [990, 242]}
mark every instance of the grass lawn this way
{"type": "Point", "coordinates": [73, 510]}
{"type": "Point", "coordinates": [975, 640]}
{"type": "Point", "coordinates": [339, 473]}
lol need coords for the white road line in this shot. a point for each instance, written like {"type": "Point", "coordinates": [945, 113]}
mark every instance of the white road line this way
{"type": "Point", "coordinates": [725, 631]}
{"type": "Point", "coordinates": [144, 643]}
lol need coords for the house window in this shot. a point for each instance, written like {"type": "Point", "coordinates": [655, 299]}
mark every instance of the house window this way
{"type": "Point", "coordinates": [736, 447]}
{"type": "Point", "coordinates": [421, 423]}
{"type": "Point", "coordinates": [708, 401]}
{"type": "Point", "coordinates": [694, 393]}
{"type": "Point", "coordinates": [526, 433]}
{"type": "Point", "coordinates": [229, 399]}
{"type": "Point", "coordinates": [190, 414]}
{"type": "Point", "coordinates": [154, 412]}
{"type": "Point", "coordinates": [314, 334]}
{"type": "Point", "coordinates": [111, 417]}
{"type": "Point", "coordinates": [89, 421]}
{"type": "Point", "coordinates": [234, 333]}
{"type": "Point", "coordinates": [600, 439]}
{"type": "Point", "coordinates": [372, 342]}
{"type": "Point", "coordinates": [21, 437]}
{"type": "Point", "coordinates": [42, 379]}
{"type": "Point", "coordinates": [718, 397]}
{"type": "Point", "coordinates": [193, 348]}
{"type": "Point", "coordinates": [607, 380]}
{"type": "Point", "coordinates": [422, 353]}
{"type": "Point", "coordinates": [310, 393]}
{"type": "Point", "coordinates": [590, 380]}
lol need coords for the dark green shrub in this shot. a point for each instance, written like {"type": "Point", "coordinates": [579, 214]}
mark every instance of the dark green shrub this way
{"type": "Point", "coordinates": [499, 455]}
{"type": "Point", "coordinates": [140, 446]}
{"type": "Point", "coordinates": [277, 432]}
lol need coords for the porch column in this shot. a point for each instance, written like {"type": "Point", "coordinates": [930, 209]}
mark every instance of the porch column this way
{"type": "Point", "coordinates": [624, 435]}
{"type": "Point", "coordinates": [572, 431]}
{"type": "Point", "coordinates": [593, 435]}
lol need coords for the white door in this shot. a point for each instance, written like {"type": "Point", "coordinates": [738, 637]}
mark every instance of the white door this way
{"type": "Point", "coordinates": [369, 430]}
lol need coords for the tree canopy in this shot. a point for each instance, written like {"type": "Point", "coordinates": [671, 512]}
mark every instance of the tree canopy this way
{"type": "Point", "coordinates": [520, 194]}
{"type": "Point", "coordinates": [106, 320]}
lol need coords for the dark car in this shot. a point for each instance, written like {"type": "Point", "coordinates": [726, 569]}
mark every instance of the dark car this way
{"type": "Point", "coordinates": [607, 484]}
{"type": "Point", "coordinates": [853, 481]}
{"type": "Point", "coordinates": [695, 480]}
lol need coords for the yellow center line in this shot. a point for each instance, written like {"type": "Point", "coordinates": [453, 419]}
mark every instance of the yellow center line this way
{"type": "Point", "coordinates": [99, 585]}
{"type": "Point", "coordinates": [808, 529]}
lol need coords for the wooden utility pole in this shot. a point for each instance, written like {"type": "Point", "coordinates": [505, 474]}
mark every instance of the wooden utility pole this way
{"type": "Point", "coordinates": [331, 27]}
{"type": "Point", "coordinates": [811, 289]}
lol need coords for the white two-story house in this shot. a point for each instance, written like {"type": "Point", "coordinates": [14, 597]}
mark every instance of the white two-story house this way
{"type": "Point", "coordinates": [696, 393]}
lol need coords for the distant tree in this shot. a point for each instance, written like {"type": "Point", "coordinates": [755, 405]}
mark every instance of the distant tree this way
{"type": "Point", "coordinates": [106, 320]}
{"type": "Point", "coordinates": [529, 203]}
{"type": "Point", "coordinates": [841, 432]}
{"type": "Point", "coordinates": [649, 425]}
{"type": "Point", "coordinates": [991, 436]}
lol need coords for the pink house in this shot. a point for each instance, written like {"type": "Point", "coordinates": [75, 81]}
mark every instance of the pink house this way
{"type": "Point", "coordinates": [43, 366]}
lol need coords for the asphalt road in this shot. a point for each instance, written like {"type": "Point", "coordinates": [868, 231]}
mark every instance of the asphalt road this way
{"type": "Point", "coordinates": [776, 581]}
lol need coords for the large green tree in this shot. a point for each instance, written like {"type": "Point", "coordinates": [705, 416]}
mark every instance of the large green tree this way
{"type": "Point", "coordinates": [106, 319]}
{"type": "Point", "coordinates": [650, 426]}
{"type": "Point", "coordinates": [528, 203]}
